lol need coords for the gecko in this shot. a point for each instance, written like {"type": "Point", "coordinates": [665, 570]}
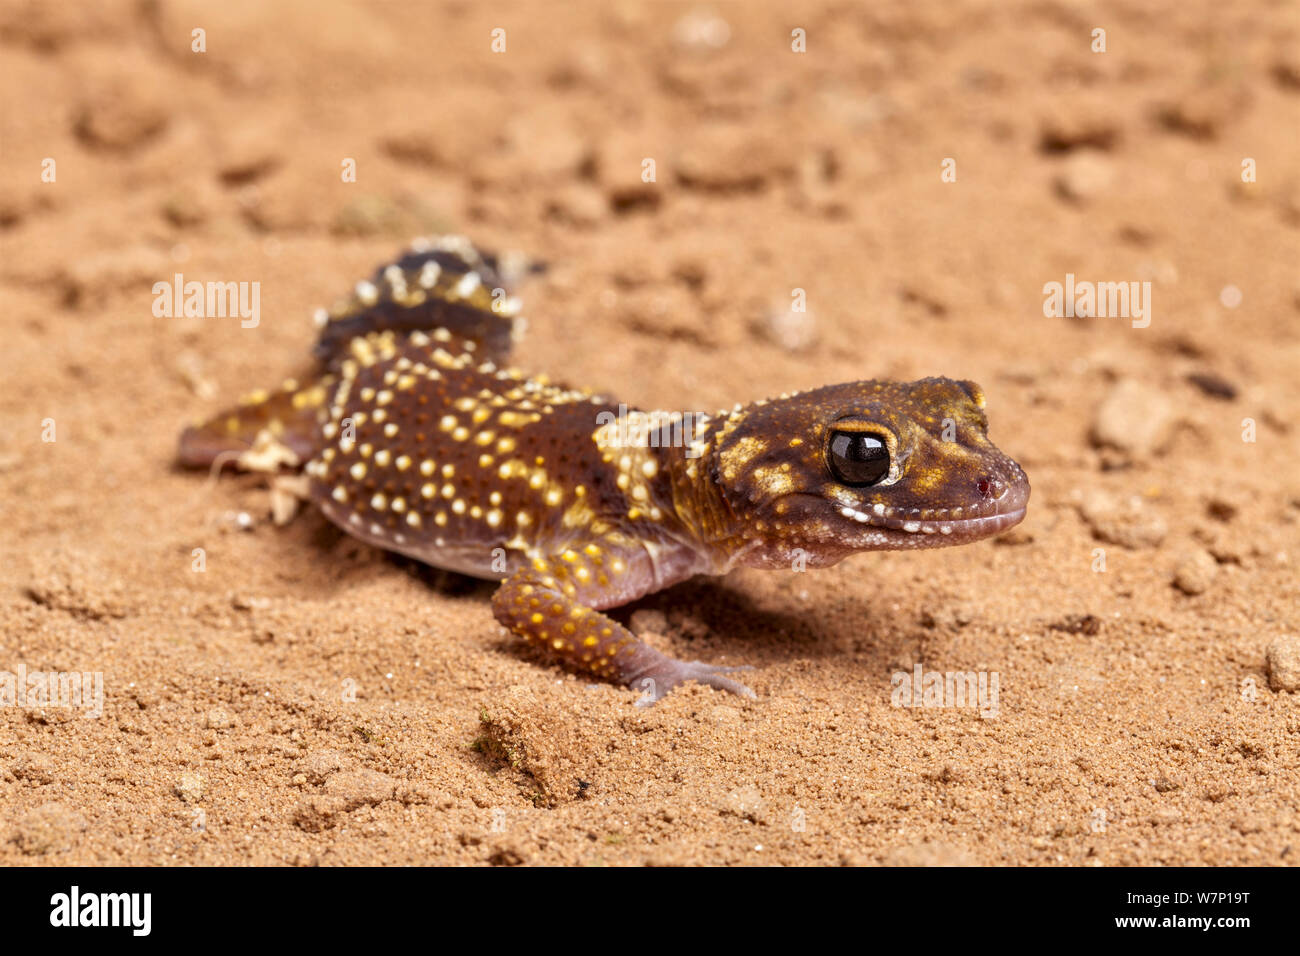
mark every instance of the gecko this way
{"type": "Point", "coordinates": [414, 434]}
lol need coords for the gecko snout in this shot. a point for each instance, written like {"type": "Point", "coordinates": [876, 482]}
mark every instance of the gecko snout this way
{"type": "Point", "coordinates": [1005, 491]}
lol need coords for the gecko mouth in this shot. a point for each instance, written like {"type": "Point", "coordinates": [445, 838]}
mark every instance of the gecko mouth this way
{"type": "Point", "coordinates": [977, 527]}
{"type": "Point", "coordinates": [969, 523]}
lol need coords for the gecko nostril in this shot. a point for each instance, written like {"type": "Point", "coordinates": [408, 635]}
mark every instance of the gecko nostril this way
{"type": "Point", "coordinates": [989, 487]}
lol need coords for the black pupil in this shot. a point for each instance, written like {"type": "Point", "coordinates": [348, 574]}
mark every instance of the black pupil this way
{"type": "Point", "coordinates": [858, 458]}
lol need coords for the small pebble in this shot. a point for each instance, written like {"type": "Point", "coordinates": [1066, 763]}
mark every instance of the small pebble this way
{"type": "Point", "coordinates": [788, 329]}
{"type": "Point", "coordinates": [1085, 176]}
{"type": "Point", "coordinates": [1134, 417]}
{"type": "Point", "coordinates": [218, 719]}
{"type": "Point", "coordinates": [1283, 656]}
{"type": "Point", "coordinates": [189, 786]}
{"type": "Point", "coordinates": [1132, 525]}
{"type": "Point", "coordinates": [1195, 572]}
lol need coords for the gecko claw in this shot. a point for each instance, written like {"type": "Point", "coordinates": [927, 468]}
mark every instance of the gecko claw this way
{"type": "Point", "coordinates": [673, 672]}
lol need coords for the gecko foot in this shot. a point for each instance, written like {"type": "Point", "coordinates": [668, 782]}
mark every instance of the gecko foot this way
{"type": "Point", "coordinates": [668, 672]}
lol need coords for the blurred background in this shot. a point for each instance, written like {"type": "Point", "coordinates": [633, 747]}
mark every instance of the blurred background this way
{"type": "Point", "coordinates": [912, 173]}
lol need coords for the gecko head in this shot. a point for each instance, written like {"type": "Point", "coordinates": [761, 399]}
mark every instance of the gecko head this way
{"type": "Point", "coordinates": [866, 466]}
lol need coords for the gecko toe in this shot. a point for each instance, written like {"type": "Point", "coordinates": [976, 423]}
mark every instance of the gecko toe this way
{"type": "Point", "coordinates": [656, 685]}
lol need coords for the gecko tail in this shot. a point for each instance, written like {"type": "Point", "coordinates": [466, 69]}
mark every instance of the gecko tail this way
{"type": "Point", "coordinates": [263, 432]}
{"type": "Point", "coordinates": [441, 283]}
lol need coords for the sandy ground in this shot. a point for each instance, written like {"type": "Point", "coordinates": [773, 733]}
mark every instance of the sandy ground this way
{"type": "Point", "coordinates": [1142, 622]}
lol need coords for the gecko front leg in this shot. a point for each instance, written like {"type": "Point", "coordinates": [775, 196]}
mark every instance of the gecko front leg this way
{"type": "Point", "coordinates": [555, 602]}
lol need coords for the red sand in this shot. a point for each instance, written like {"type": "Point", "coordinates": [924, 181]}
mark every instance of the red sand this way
{"type": "Point", "coordinates": [1139, 722]}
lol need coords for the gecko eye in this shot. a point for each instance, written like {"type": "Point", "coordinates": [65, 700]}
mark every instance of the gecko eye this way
{"type": "Point", "coordinates": [857, 458]}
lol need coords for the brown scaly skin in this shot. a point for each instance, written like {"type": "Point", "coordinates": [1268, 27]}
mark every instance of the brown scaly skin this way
{"type": "Point", "coordinates": [416, 440]}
